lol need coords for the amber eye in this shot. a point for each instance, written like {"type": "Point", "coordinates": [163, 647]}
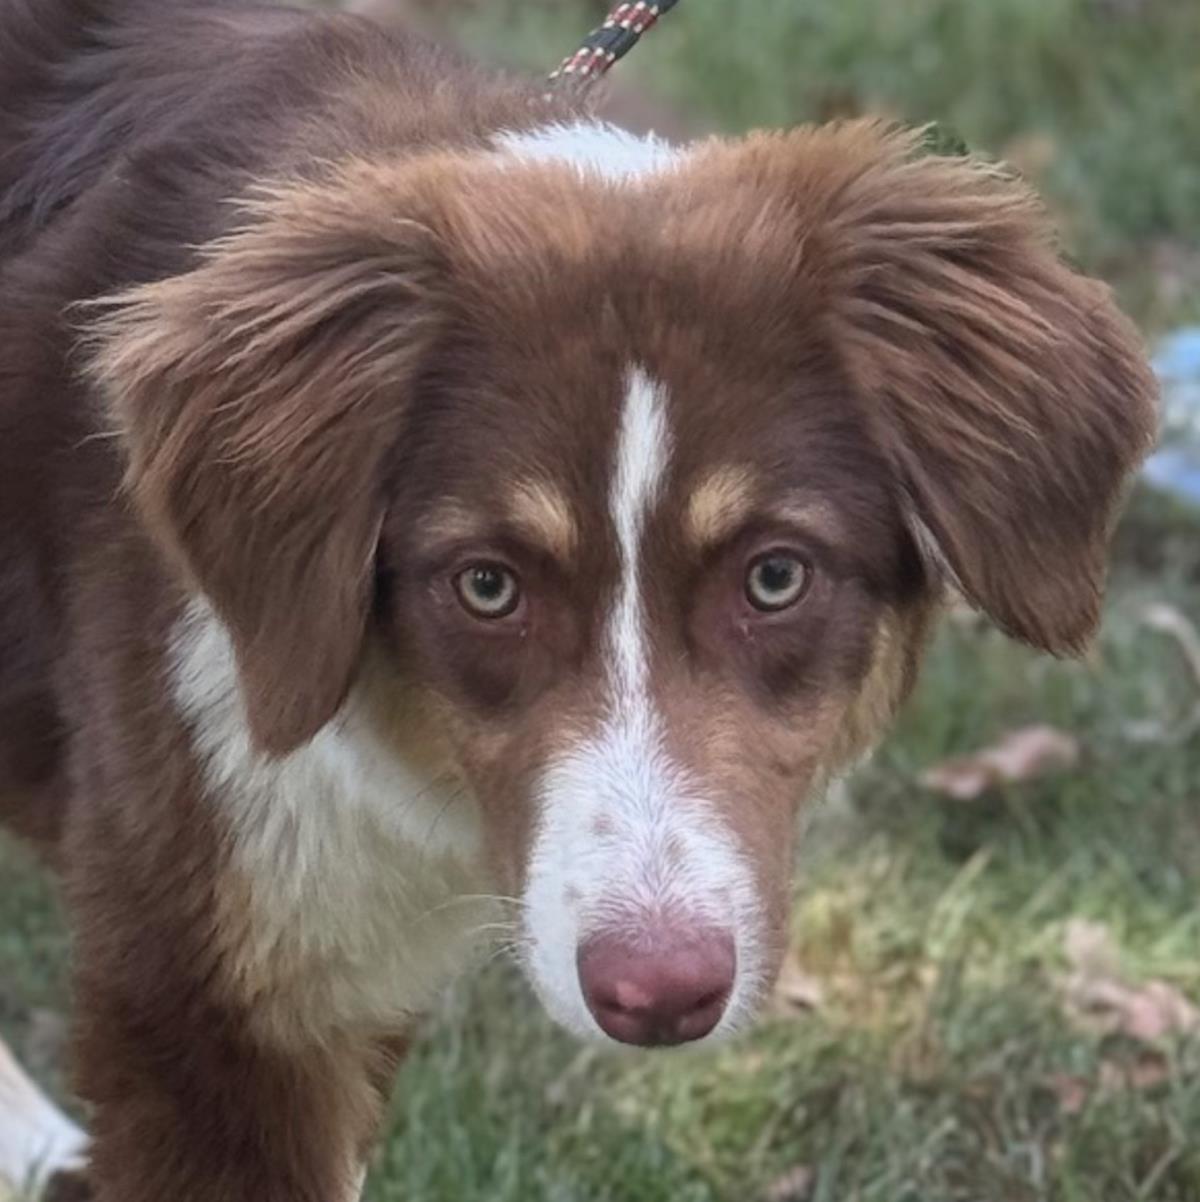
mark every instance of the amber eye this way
{"type": "Point", "coordinates": [487, 590]}
{"type": "Point", "coordinates": [776, 580]}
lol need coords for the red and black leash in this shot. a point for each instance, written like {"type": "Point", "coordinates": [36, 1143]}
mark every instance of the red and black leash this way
{"type": "Point", "coordinates": [609, 43]}
{"type": "Point", "coordinates": [622, 30]}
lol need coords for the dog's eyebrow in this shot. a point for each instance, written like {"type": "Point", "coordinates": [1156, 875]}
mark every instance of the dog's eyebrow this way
{"type": "Point", "coordinates": [541, 511]}
{"type": "Point", "coordinates": [728, 497]}
{"type": "Point", "coordinates": [537, 509]}
{"type": "Point", "coordinates": [719, 504]}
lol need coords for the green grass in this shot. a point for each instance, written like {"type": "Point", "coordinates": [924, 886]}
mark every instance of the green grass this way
{"type": "Point", "coordinates": [1097, 100]}
{"type": "Point", "coordinates": [936, 929]}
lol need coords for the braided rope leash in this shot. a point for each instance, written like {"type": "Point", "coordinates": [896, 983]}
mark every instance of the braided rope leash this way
{"type": "Point", "coordinates": [623, 29]}
{"type": "Point", "coordinates": [604, 46]}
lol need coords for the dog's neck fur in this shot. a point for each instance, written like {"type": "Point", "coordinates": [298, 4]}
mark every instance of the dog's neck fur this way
{"type": "Point", "coordinates": [360, 861]}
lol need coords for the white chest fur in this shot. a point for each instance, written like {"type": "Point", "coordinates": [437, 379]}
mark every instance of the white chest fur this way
{"type": "Point", "coordinates": [358, 884]}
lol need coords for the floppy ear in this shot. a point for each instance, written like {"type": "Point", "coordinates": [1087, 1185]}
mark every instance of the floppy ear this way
{"type": "Point", "coordinates": [1012, 396]}
{"type": "Point", "coordinates": [258, 396]}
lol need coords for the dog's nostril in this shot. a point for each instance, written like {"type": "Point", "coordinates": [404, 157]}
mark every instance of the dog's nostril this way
{"type": "Point", "coordinates": [668, 987]}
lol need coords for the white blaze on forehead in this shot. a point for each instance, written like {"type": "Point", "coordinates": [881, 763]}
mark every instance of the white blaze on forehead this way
{"type": "Point", "coordinates": [643, 450]}
{"type": "Point", "coordinates": [625, 837]}
{"type": "Point", "coordinates": [592, 147]}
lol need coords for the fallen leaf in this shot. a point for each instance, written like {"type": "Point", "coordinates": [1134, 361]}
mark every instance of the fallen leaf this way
{"type": "Point", "coordinates": [1157, 1009]}
{"type": "Point", "coordinates": [1022, 756]}
{"type": "Point", "coordinates": [796, 1185]}
{"type": "Point", "coordinates": [1149, 1070]}
{"type": "Point", "coordinates": [1147, 1012]}
{"type": "Point", "coordinates": [1072, 1092]}
{"type": "Point", "coordinates": [797, 989]}
{"type": "Point", "coordinates": [1090, 948]}
{"type": "Point", "coordinates": [1098, 997]}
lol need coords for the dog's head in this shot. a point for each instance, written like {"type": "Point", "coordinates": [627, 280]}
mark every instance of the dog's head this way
{"type": "Point", "coordinates": [647, 485]}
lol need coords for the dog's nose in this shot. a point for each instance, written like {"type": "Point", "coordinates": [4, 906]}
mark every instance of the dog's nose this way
{"type": "Point", "coordinates": [664, 989]}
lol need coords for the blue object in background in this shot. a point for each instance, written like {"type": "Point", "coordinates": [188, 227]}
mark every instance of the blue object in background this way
{"type": "Point", "coordinates": [1175, 468]}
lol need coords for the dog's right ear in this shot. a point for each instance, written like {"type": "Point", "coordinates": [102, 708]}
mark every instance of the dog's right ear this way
{"type": "Point", "coordinates": [257, 397]}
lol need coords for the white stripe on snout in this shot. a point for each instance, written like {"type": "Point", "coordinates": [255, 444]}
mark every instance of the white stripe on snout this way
{"type": "Point", "coordinates": [625, 837]}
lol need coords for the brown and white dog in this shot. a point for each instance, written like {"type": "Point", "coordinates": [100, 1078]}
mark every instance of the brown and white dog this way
{"type": "Point", "coordinates": [426, 512]}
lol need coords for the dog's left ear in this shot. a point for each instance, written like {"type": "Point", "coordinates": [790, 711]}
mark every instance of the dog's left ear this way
{"type": "Point", "coordinates": [1012, 396]}
{"type": "Point", "coordinates": [257, 397]}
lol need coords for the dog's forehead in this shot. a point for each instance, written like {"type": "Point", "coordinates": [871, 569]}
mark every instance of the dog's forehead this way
{"type": "Point", "coordinates": [559, 310]}
{"type": "Point", "coordinates": [560, 404]}
{"type": "Point", "coordinates": [509, 432]}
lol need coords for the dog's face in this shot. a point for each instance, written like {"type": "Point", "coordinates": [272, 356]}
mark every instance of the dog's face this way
{"type": "Point", "coordinates": [647, 489]}
{"type": "Point", "coordinates": [658, 585]}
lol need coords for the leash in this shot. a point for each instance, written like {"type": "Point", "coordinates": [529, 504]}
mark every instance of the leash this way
{"type": "Point", "coordinates": [607, 44]}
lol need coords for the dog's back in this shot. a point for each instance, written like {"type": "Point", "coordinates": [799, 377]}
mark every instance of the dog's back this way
{"type": "Point", "coordinates": [245, 86]}
{"type": "Point", "coordinates": [82, 81]}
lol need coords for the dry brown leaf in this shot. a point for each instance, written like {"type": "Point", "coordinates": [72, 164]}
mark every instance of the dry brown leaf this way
{"type": "Point", "coordinates": [1148, 1012]}
{"type": "Point", "coordinates": [1100, 998]}
{"type": "Point", "coordinates": [797, 989]}
{"type": "Point", "coordinates": [1146, 1072]}
{"type": "Point", "coordinates": [796, 1185]}
{"type": "Point", "coordinates": [1071, 1091]}
{"type": "Point", "coordinates": [1023, 755]}
{"type": "Point", "coordinates": [1090, 948]}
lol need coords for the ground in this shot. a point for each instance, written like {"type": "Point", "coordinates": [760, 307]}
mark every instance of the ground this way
{"type": "Point", "coordinates": [929, 1044]}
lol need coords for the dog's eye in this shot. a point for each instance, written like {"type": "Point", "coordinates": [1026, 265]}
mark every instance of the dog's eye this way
{"type": "Point", "coordinates": [776, 580]}
{"type": "Point", "coordinates": [487, 590]}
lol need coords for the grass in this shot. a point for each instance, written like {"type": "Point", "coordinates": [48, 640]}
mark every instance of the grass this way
{"type": "Point", "coordinates": [930, 1072]}
{"type": "Point", "coordinates": [934, 1069]}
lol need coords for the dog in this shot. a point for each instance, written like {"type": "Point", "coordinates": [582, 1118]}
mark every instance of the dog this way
{"type": "Point", "coordinates": [430, 514]}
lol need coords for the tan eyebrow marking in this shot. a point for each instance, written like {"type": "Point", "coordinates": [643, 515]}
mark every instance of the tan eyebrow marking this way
{"type": "Point", "coordinates": [719, 504]}
{"type": "Point", "coordinates": [451, 522]}
{"type": "Point", "coordinates": [542, 512]}
{"type": "Point", "coordinates": [538, 509]}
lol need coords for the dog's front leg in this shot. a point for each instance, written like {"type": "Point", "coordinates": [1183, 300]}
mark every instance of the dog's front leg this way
{"type": "Point", "coordinates": [193, 1110]}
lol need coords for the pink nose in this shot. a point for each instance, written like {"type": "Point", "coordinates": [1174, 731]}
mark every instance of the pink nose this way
{"type": "Point", "coordinates": [669, 988]}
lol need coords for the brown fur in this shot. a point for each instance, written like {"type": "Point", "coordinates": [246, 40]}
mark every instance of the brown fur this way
{"type": "Point", "coordinates": [386, 326]}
